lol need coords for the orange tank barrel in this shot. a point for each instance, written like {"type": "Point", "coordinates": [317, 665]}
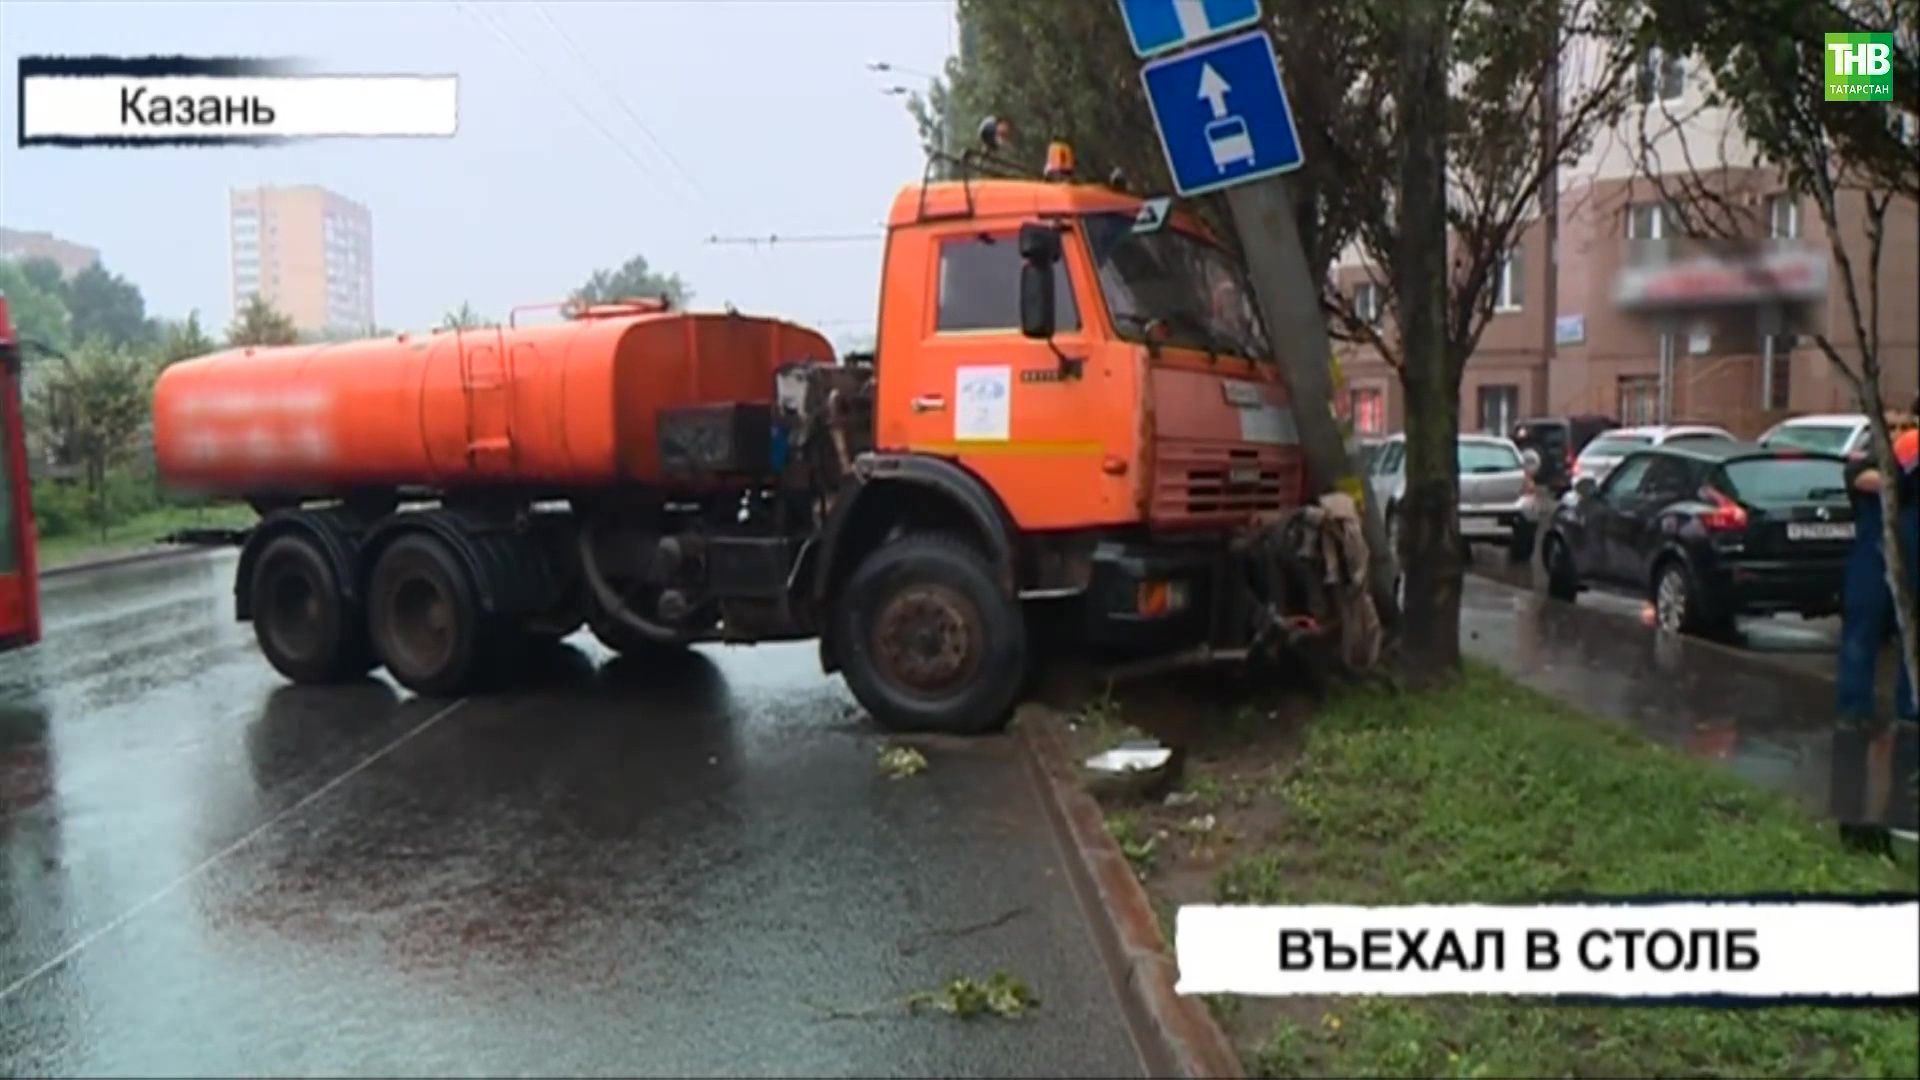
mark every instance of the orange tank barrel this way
{"type": "Point", "coordinates": [554, 406]}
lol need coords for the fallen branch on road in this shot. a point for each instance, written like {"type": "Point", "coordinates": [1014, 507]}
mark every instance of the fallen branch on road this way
{"type": "Point", "coordinates": [963, 996]}
{"type": "Point", "coordinates": [997, 921]}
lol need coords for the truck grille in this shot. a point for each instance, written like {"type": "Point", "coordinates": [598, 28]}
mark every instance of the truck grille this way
{"type": "Point", "coordinates": [1222, 483]}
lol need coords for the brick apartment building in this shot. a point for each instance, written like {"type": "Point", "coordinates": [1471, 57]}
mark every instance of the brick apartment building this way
{"type": "Point", "coordinates": [69, 256]}
{"type": "Point", "coordinates": [305, 250]}
{"type": "Point", "coordinates": [1567, 339]}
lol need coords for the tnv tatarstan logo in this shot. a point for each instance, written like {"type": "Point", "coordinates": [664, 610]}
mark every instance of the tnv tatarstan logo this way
{"type": "Point", "coordinates": [1859, 67]}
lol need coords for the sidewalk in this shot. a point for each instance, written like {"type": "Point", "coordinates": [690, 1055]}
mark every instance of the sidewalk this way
{"type": "Point", "coordinates": [1768, 721]}
{"type": "Point", "coordinates": [120, 555]}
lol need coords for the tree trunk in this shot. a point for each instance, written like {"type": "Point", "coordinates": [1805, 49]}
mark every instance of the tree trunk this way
{"type": "Point", "coordinates": [1428, 525]}
{"type": "Point", "coordinates": [1289, 300]}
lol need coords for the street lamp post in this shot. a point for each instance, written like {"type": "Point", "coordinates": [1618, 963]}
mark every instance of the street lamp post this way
{"type": "Point", "coordinates": [940, 132]}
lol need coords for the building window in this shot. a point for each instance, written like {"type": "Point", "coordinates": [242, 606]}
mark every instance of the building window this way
{"type": "Point", "coordinates": [1783, 217]}
{"type": "Point", "coordinates": [1660, 77]}
{"type": "Point", "coordinates": [980, 286]}
{"type": "Point", "coordinates": [1509, 284]}
{"type": "Point", "coordinates": [1639, 399]}
{"type": "Point", "coordinates": [1647, 221]}
{"type": "Point", "coordinates": [1499, 408]}
{"type": "Point", "coordinates": [1366, 303]}
{"type": "Point", "coordinates": [1780, 377]}
{"type": "Point", "coordinates": [1699, 339]}
{"type": "Point", "coordinates": [1369, 409]}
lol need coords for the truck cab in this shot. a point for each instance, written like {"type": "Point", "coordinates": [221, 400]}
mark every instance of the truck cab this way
{"type": "Point", "coordinates": [1104, 374]}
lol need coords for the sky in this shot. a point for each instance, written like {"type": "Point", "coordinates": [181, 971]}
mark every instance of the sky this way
{"type": "Point", "coordinates": [674, 121]}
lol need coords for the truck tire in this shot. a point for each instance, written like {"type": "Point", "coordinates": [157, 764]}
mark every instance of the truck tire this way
{"type": "Point", "coordinates": [301, 617]}
{"type": "Point", "coordinates": [927, 640]}
{"type": "Point", "coordinates": [424, 618]}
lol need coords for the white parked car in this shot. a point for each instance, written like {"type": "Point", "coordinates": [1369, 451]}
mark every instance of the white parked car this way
{"type": "Point", "coordinates": [1495, 488]}
{"type": "Point", "coordinates": [1603, 453]}
{"type": "Point", "coordinates": [1825, 433]}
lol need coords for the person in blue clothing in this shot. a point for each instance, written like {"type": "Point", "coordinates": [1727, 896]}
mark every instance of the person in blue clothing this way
{"type": "Point", "coordinates": [1867, 621]}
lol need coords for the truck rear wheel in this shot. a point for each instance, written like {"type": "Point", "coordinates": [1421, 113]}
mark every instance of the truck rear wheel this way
{"type": "Point", "coordinates": [424, 617]}
{"type": "Point", "coordinates": [928, 641]}
{"type": "Point", "coordinates": [301, 617]}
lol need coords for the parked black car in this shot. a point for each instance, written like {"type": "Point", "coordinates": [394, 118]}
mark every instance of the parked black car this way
{"type": "Point", "coordinates": [1707, 531]}
{"type": "Point", "coordinates": [1558, 440]}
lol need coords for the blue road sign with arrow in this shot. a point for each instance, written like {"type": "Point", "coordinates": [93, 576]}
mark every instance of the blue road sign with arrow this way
{"type": "Point", "coordinates": [1158, 25]}
{"type": "Point", "coordinates": [1222, 114]}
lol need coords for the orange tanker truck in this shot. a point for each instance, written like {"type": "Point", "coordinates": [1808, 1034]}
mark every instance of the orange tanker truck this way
{"type": "Point", "coordinates": [1069, 413]}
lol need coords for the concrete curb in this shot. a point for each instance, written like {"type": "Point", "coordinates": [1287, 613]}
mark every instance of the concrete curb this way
{"type": "Point", "coordinates": [130, 559]}
{"type": "Point", "coordinates": [1179, 1036]}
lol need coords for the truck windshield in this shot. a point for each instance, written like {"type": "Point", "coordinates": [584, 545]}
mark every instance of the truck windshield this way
{"type": "Point", "coordinates": [1190, 287]}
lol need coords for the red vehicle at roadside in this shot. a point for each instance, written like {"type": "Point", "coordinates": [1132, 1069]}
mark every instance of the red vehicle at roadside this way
{"type": "Point", "coordinates": [19, 573]}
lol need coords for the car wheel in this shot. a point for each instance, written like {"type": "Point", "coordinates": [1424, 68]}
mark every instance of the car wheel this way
{"type": "Point", "coordinates": [927, 639]}
{"type": "Point", "coordinates": [1563, 578]}
{"type": "Point", "coordinates": [1678, 607]}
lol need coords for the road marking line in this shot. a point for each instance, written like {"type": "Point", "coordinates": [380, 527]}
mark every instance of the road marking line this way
{"type": "Point", "coordinates": [207, 864]}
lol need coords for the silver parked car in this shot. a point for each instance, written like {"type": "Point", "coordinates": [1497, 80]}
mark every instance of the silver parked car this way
{"type": "Point", "coordinates": [1494, 485]}
{"type": "Point", "coordinates": [1603, 453]}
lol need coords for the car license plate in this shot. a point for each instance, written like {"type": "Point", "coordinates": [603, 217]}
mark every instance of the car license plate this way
{"type": "Point", "coordinates": [1820, 530]}
{"type": "Point", "coordinates": [1241, 395]}
{"type": "Point", "coordinates": [1248, 474]}
{"type": "Point", "coordinates": [1478, 526]}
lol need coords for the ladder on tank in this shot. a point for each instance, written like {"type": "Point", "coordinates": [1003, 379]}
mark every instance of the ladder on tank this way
{"type": "Point", "coordinates": [486, 378]}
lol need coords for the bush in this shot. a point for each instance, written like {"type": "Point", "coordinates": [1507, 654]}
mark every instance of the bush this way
{"type": "Point", "coordinates": [60, 508]}
{"type": "Point", "coordinates": [65, 507]}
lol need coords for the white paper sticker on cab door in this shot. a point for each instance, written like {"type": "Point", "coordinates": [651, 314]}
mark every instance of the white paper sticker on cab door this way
{"type": "Point", "coordinates": [983, 400]}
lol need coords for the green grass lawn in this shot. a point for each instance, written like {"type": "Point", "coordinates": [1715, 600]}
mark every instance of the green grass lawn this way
{"type": "Point", "coordinates": [137, 532]}
{"type": "Point", "coordinates": [1490, 792]}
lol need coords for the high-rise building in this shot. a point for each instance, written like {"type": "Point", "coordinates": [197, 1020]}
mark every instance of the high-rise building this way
{"type": "Point", "coordinates": [305, 250]}
{"type": "Point", "coordinates": [71, 257]}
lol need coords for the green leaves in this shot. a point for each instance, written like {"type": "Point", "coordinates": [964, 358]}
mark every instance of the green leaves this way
{"type": "Point", "coordinates": [38, 313]}
{"type": "Point", "coordinates": [633, 280]}
{"type": "Point", "coordinates": [184, 340]}
{"type": "Point", "coordinates": [1001, 995]}
{"type": "Point", "coordinates": [107, 306]}
{"type": "Point", "coordinates": [900, 762]}
{"type": "Point", "coordinates": [464, 318]}
{"type": "Point", "coordinates": [259, 323]}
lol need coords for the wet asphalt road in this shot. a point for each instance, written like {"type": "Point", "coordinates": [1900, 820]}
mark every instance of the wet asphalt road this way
{"type": "Point", "coordinates": [616, 871]}
{"type": "Point", "coordinates": [1762, 705]}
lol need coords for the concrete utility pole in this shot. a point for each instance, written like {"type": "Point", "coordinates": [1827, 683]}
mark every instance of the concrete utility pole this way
{"type": "Point", "coordinates": [1289, 300]}
{"type": "Point", "coordinates": [1213, 84]}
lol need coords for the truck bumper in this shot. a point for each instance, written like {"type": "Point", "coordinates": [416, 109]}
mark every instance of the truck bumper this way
{"type": "Point", "coordinates": [1146, 598]}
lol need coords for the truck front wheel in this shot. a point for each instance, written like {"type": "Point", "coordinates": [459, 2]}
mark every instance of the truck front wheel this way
{"type": "Point", "coordinates": [301, 617]}
{"type": "Point", "coordinates": [927, 640]}
{"type": "Point", "coordinates": [424, 617]}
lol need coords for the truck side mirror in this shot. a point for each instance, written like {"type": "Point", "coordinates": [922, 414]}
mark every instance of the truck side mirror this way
{"type": "Point", "coordinates": [1036, 300]}
{"type": "Point", "coordinates": [1039, 253]}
